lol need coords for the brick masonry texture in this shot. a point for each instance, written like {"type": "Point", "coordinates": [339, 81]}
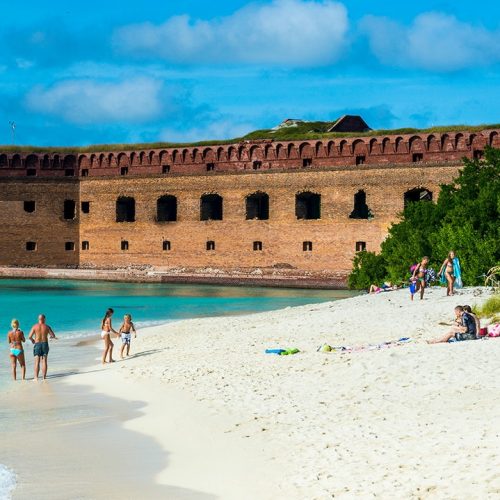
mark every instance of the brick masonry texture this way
{"type": "Point", "coordinates": [383, 167]}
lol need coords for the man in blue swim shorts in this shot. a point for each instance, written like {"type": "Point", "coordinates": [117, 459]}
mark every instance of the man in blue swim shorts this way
{"type": "Point", "coordinates": [39, 336]}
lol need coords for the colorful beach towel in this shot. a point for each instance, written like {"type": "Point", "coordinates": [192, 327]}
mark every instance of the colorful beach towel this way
{"type": "Point", "coordinates": [369, 347]}
{"type": "Point", "coordinates": [282, 352]}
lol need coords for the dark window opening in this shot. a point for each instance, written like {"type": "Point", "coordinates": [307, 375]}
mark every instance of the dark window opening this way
{"type": "Point", "coordinates": [210, 167]}
{"type": "Point", "coordinates": [69, 209]}
{"type": "Point", "coordinates": [361, 210]}
{"type": "Point", "coordinates": [210, 245]}
{"type": "Point", "coordinates": [166, 209]}
{"type": "Point", "coordinates": [307, 246]}
{"type": "Point", "coordinates": [307, 162]}
{"type": "Point", "coordinates": [360, 246]}
{"type": "Point", "coordinates": [124, 245]}
{"type": "Point", "coordinates": [31, 172]}
{"type": "Point", "coordinates": [85, 245]}
{"type": "Point", "coordinates": [166, 246]}
{"type": "Point", "coordinates": [478, 154]}
{"type": "Point", "coordinates": [30, 246]}
{"type": "Point", "coordinates": [125, 209]}
{"type": "Point", "coordinates": [69, 172]}
{"type": "Point", "coordinates": [257, 206]}
{"type": "Point", "coordinates": [124, 171]}
{"type": "Point", "coordinates": [414, 195]}
{"type": "Point", "coordinates": [360, 160]}
{"type": "Point", "coordinates": [257, 165]}
{"type": "Point", "coordinates": [308, 206]}
{"type": "Point", "coordinates": [417, 157]}
{"type": "Point", "coordinates": [85, 172]}
{"type": "Point", "coordinates": [69, 246]}
{"type": "Point", "coordinates": [165, 169]}
{"type": "Point", "coordinates": [29, 206]}
{"type": "Point", "coordinates": [211, 207]}
{"type": "Point", "coordinates": [86, 207]}
{"type": "Point", "coordinates": [257, 246]}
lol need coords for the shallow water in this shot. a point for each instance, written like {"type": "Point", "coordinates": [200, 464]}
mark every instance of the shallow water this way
{"type": "Point", "coordinates": [75, 308]}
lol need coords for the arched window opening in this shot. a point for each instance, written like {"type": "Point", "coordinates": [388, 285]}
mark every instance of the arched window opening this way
{"type": "Point", "coordinates": [361, 209]}
{"type": "Point", "coordinates": [166, 209]}
{"type": "Point", "coordinates": [257, 206]}
{"type": "Point", "coordinates": [308, 206]}
{"type": "Point", "coordinates": [419, 194]}
{"type": "Point", "coordinates": [125, 209]}
{"type": "Point", "coordinates": [211, 207]}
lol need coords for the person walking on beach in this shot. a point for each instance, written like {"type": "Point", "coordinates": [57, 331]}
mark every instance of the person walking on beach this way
{"type": "Point", "coordinates": [419, 276]}
{"type": "Point", "coordinates": [464, 329]}
{"type": "Point", "coordinates": [39, 336]}
{"type": "Point", "coordinates": [446, 273]}
{"type": "Point", "coordinates": [106, 329]}
{"type": "Point", "coordinates": [15, 338]}
{"type": "Point", "coordinates": [126, 333]}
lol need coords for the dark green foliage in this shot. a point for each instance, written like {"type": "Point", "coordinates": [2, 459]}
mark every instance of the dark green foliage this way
{"type": "Point", "coordinates": [466, 219]}
{"type": "Point", "coordinates": [368, 268]}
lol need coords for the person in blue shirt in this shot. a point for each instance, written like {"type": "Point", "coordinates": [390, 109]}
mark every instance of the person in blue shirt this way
{"type": "Point", "coordinates": [465, 328]}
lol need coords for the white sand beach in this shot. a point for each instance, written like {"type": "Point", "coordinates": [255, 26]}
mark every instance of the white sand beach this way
{"type": "Point", "coordinates": [409, 421]}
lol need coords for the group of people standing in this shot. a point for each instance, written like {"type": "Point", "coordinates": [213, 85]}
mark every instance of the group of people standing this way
{"type": "Point", "coordinates": [125, 332]}
{"type": "Point", "coordinates": [450, 274]}
{"type": "Point", "coordinates": [40, 334]}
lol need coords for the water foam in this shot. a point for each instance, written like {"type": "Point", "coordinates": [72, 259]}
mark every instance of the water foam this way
{"type": "Point", "coordinates": [7, 482]}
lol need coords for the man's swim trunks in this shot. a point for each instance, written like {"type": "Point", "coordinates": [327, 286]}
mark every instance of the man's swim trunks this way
{"type": "Point", "coordinates": [41, 349]}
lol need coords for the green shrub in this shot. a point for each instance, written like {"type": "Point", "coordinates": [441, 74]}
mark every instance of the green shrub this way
{"type": "Point", "coordinates": [490, 308]}
{"type": "Point", "coordinates": [465, 218]}
{"type": "Point", "coordinates": [368, 268]}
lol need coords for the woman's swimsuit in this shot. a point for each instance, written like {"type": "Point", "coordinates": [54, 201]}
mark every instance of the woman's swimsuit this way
{"type": "Point", "coordinates": [449, 269]}
{"type": "Point", "coordinates": [16, 351]}
{"type": "Point", "coordinates": [104, 333]}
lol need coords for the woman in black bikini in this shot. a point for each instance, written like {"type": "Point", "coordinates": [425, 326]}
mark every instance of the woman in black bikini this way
{"type": "Point", "coordinates": [447, 268]}
{"type": "Point", "coordinates": [419, 276]}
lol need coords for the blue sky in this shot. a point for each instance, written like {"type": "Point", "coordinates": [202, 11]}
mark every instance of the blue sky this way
{"type": "Point", "coordinates": [75, 73]}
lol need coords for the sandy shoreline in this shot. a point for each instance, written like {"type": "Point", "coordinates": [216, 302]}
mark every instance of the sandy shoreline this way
{"type": "Point", "coordinates": [224, 420]}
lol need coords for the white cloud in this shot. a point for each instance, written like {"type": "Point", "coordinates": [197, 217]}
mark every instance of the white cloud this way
{"type": "Point", "coordinates": [300, 33]}
{"type": "Point", "coordinates": [88, 101]}
{"type": "Point", "coordinates": [434, 41]}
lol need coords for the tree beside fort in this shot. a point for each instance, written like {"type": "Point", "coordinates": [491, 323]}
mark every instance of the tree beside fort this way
{"type": "Point", "coordinates": [465, 218]}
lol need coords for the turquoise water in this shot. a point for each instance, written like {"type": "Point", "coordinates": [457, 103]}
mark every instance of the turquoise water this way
{"type": "Point", "coordinates": [75, 308]}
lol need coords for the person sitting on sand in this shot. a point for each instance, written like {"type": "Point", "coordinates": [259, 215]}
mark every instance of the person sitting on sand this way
{"type": "Point", "coordinates": [39, 336]}
{"type": "Point", "coordinates": [386, 286]}
{"type": "Point", "coordinates": [468, 310]}
{"type": "Point", "coordinates": [418, 276]}
{"type": "Point", "coordinates": [15, 338]}
{"type": "Point", "coordinates": [465, 328]}
{"type": "Point", "coordinates": [126, 332]}
{"type": "Point", "coordinates": [106, 329]}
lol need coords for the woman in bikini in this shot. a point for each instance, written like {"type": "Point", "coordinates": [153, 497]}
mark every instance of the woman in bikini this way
{"type": "Point", "coordinates": [419, 276]}
{"type": "Point", "coordinates": [106, 329]}
{"type": "Point", "coordinates": [16, 338]}
{"type": "Point", "coordinates": [447, 269]}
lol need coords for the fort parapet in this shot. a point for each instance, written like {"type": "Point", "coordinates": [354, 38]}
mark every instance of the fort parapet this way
{"type": "Point", "coordinates": [260, 211]}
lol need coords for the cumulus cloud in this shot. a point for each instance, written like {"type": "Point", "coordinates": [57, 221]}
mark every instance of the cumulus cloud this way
{"type": "Point", "coordinates": [434, 41]}
{"type": "Point", "coordinates": [88, 101]}
{"type": "Point", "coordinates": [295, 33]}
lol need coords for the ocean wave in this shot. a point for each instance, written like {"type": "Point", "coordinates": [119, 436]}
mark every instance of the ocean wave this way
{"type": "Point", "coordinates": [7, 482]}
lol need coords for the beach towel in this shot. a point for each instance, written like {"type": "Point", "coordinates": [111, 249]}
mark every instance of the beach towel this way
{"type": "Point", "coordinates": [457, 273]}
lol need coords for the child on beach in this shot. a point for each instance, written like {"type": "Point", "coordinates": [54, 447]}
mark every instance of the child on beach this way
{"type": "Point", "coordinates": [464, 328]}
{"type": "Point", "coordinates": [16, 338]}
{"type": "Point", "coordinates": [126, 333]}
